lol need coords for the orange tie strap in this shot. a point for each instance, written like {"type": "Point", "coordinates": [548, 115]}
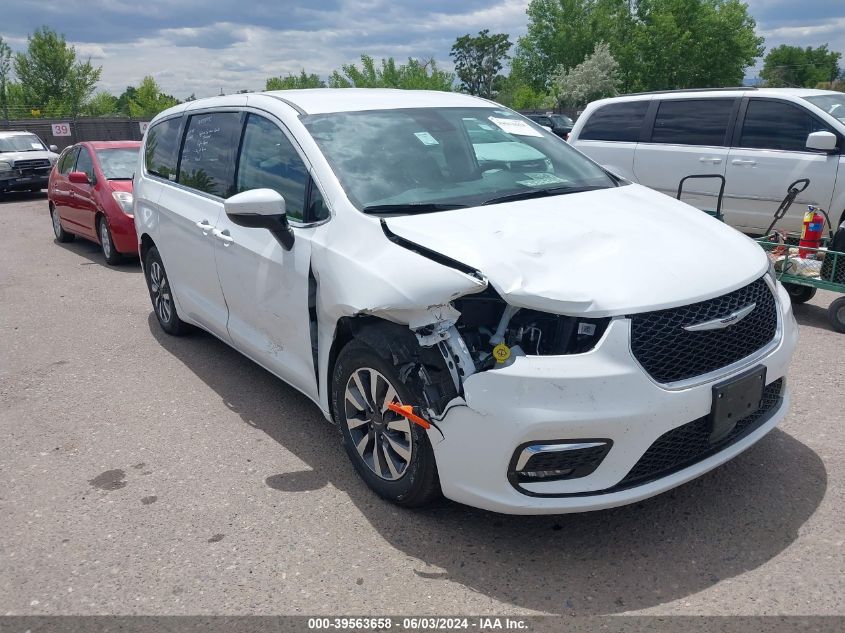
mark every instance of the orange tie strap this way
{"type": "Point", "coordinates": [407, 411]}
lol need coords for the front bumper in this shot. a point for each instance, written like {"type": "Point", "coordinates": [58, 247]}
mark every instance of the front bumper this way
{"type": "Point", "coordinates": [601, 394]}
{"type": "Point", "coordinates": [16, 180]}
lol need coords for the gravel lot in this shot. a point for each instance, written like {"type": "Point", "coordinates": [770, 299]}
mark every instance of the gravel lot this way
{"type": "Point", "coordinates": [147, 474]}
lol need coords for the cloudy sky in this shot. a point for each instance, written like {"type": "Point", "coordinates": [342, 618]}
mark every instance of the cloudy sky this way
{"type": "Point", "coordinates": [203, 46]}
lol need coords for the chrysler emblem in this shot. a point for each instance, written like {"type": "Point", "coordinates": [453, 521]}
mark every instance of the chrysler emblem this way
{"type": "Point", "coordinates": [722, 322]}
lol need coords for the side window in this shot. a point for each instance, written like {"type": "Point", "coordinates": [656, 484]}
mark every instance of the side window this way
{"type": "Point", "coordinates": [693, 122]}
{"type": "Point", "coordinates": [208, 153]}
{"type": "Point", "coordinates": [85, 164]}
{"type": "Point", "coordinates": [775, 125]}
{"type": "Point", "coordinates": [317, 209]}
{"type": "Point", "coordinates": [161, 148]}
{"type": "Point", "coordinates": [269, 160]}
{"type": "Point", "coordinates": [68, 160]}
{"type": "Point", "coordinates": [544, 120]}
{"type": "Point", "coordinates": [616, 122]}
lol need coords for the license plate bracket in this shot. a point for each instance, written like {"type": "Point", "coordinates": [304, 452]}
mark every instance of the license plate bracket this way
{"type": "Point", "coordinates": [735, 399]}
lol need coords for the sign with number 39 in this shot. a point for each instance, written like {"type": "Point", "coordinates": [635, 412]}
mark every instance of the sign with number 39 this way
{"type": "Point", "coordinates": [61, 129]}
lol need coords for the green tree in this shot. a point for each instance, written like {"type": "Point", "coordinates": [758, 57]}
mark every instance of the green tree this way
{"type": "Point", "coordinates": [793, 66]}
{"type": "Point", "coordinates": [659, 44]}
{"type": "Point", "coordinates": [415, 75]}
{"type": "Point", "coordinates": [149, 100]}
{"type": "Point", "coordinates": [123, 99]}
{"type": "Point", "coordinates": [51, 77]}
{"type": "Point", "coordinates": [594, 78]}
{"type": "Point", "coordinates": [101, 104]}
{"type": "Point", "coordinates": [292, 82]}
{"type": "Point", "coordinates": [5, 72]}
{"type": "Point", "coordinates": [478, 60]}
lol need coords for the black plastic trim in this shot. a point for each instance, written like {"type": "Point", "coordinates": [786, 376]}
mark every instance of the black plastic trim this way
{"type": "Point", "coordinates": [429, 254]}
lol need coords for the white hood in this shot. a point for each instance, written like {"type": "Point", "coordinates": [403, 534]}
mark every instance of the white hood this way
{"type": "Point", "coordinates": [603, 253]}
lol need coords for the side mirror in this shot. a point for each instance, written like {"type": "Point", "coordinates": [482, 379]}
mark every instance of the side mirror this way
{"type": "Point", "coordinates": [78, 178]}
{"type": "Point", "coordinates": [825, 141]}
{"type": "Point", "coordinates": [54, 149]}
{"type": "Point", "coordinates": [261, 209]}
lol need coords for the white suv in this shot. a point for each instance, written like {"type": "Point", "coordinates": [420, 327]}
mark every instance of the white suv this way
{"type": "Point", "coordinates": [760, 140]}
{"type": "Point", "coordinates": [511, 325]}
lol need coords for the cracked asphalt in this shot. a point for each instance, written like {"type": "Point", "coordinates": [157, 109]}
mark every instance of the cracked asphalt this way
{"type": "Point", "coordinates": [144, 474]}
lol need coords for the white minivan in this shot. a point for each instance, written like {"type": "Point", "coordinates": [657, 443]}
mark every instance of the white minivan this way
{"type": "Point", "coordinates": [759, 140]}
{"type": "Point", "coordinates": [512, 326]}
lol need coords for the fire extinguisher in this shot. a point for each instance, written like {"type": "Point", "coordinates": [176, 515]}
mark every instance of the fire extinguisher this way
{"type": "Point", "coordinates": [811, 234]}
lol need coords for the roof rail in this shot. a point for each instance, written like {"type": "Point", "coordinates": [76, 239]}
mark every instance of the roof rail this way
{"type": "Point", "coordinates": [663, 92]}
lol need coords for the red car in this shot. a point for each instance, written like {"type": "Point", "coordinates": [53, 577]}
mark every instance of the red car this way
{"type": "Point", "coordinates": [90, 194]}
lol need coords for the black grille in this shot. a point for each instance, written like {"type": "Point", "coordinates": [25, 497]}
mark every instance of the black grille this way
{"type": "Point", "coordinates": [688, 444]}
{"type": "Point", "coordinates": [32, 163]}
{"type": "Point", "coordinates": [670, 353]}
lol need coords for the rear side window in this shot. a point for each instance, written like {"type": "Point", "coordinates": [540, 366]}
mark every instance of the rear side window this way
{"type": "Point", "coordinates": [776, 125]}
{"type": "Point", "coordinates": [693, 122]}
{"type": "Point", "coordinates": [269, 160]}
{"type": "Point", "coordinates": [161, 148]}
{"type": "Point", "coordinates": [68, 160]}
{"type": "Point", "coordinates": [616, 122]}
{"type": "Point", "coordinates": [208, 156]}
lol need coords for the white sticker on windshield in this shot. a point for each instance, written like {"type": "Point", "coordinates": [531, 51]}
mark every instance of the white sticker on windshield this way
{"type": "Point", "coordinates": [36, 145]}
{"type": "Point", "coordinates": [426, 138]}
{"type": "Point", "coordinates": [514, 126]}
{"type": "Point", "coordinates": [540, 179]}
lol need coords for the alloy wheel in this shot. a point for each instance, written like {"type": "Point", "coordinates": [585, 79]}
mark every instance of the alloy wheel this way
{"type": "Point", "coordinates": [160, 290]}
{"type": "Point", "coordinates": [105, 239]}
{"type": "Point", "coordinates": [57, 223]}
{"type": "Point", "coordinates": [382, 438]}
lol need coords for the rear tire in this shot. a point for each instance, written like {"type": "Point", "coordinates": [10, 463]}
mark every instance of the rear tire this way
{"type": "Point", "coordinates": [836, 315]}
{"type": "Point", "coordinates": [376, 439]}
{"type": "Point", "coordinates": [161, 295]}
{"type": "Point", "coordinates": [61, 235]}
{"type": "Point", "coordinates": [110, 253]}
{"type": "Point", "coordinates": [800, 294]}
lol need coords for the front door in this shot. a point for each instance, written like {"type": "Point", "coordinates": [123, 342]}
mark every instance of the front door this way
{"type": "Point", "coordinates": [81, 209]}
{"type": "Point", "coordinates": [267, 287]}
{"type": "Point", "coordinates": [770, 153]}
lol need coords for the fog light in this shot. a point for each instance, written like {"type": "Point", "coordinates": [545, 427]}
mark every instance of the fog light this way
{"type": "Point", "coordinates": [551, 461]}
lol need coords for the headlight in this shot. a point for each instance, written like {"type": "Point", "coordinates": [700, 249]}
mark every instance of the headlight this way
{"type": "Point", "coordinates": [5, 165]}
{"type": "Point", "coordinates": [124, 199]}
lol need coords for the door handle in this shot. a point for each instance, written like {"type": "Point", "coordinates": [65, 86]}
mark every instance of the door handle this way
{"type": "Point", "coordinates": [223, 236]}
{"type": "Point", "coordinates": [205, 225]}
{"type": "Point", "coordinates": [712, 161]}
{"type": "Point", "coordinates": [739, 161]}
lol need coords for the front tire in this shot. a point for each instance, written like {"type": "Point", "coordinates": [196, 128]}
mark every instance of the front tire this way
{"type": "Point", "coordinates": [392, 455]}
{"type": "Point", "coordinates": [110, 253]}
{"type": "Point", "coordinates": [61, 235]}
{"type": "Point", "coordinates": [799, 293]}
{"type": "Point", "coordinates": [161, 295]}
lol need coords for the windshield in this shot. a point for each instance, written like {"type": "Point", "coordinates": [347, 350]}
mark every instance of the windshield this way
{"type": "Point", "coordinates": [447, 157]}
{"type": "Point", "coordinates": [834, 105]}
{"type": "Point", "coordinates": [118, 163]}
{"type": "Point", "coordinates": [561, 120]}
{"type": "Point", "coordinates": [21, 143]}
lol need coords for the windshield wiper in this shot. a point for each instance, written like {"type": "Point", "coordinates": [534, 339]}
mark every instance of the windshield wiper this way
{"type": "Point", "coordinates": [411, 208]}
{"type": "Point", "coordinates": [539, 193]}
{"type": "Point", "coordinates": [120, 178]}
